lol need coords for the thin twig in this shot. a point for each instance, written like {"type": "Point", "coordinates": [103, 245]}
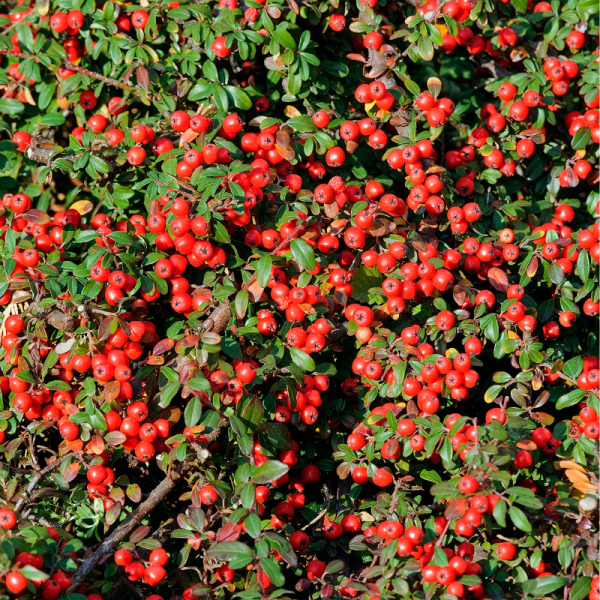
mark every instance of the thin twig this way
{"type": "Point", "coordinates": [69, 65]}
{"type": "Point", "coordinates": [38, 477]}
{"type": "Point", "coordinates": [125, 528]}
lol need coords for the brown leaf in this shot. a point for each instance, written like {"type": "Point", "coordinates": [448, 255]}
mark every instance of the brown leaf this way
{"type": "Point", "coordinates": [255, 292]}
{"type": "Point", "coordinates": [381, 227]}
{"type": "Point", "coordinates": [111, 391]}
{"type": "Point", "coordinates": [518, 54]}
{"type": "Point", "coordinates": [351, 147]}
{"type": "Point", "coordinates": [134, 492]}
{"type": "Point", "coordinates": [332, 210]}
{"type": "Point", "coordinates": [498, 279]}
{"type": "Point", "coordinates": [112, 514]}
{"type": "Point", "coordinates": [283, 139]}
{"type": "Point", "coordinates": [419, 246]}
{"type": "Point", "coordinates": [411, 409]}
{"type": "Point", "coordinates": [142, 77]}
{"type": "Point", "coordinates": [337, 226]}
{"type": "Point", "coordinates": [171, 414]}
{"type": "Point", "coordinates": [459, 295]}
{"type": "Point", "coordinates": [343, 470]}
{"type": "Point", "coordinates": [163, 346]}
{"type": "Point", "coordinates": [273, 12]}
{"type": "Point", "coordinates": [456, 509]}
{"type": "Point", "coordinates": [308, 308]}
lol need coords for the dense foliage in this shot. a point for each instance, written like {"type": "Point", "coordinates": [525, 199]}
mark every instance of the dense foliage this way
{"type": "Point", "coordinates": [299, 299]}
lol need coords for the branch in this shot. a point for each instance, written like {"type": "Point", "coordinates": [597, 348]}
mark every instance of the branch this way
{"type": "Point", "coordinates": [38, 477]}
{"type": "Point", "coordinates": [125, 528]}
{"type": "Point", "coordinates": [69, 65]}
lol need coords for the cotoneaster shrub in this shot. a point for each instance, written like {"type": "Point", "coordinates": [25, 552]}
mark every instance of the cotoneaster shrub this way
{"type": "Point", "coordinates": [299, 300]}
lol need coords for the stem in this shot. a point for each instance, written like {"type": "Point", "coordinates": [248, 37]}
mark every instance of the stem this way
{"type": "Point", "coordinates": [38, 477]}
{"type": "Point", "coordinates": [125, 528]}
{"type": "Point", "coordinates": [69, 65]}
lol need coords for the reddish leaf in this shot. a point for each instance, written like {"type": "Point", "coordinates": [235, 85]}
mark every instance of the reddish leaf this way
{"type": "Point", "coordinates": [357, 57]}
{"type": "Point", "coordinates": [532, 267]}
{"type": "Point", "coordinates": [112, 514]}
{"type": "Point", "coordinates": [189, 341]}
{"type": "Point", "coordinates": [456, 509]}
{"type": "Point", "coordinates": [163, 346]}
{"type": "Point", "coordinates": [155, 360]}
{"type": "Point", "coordinates": [139, 534]}
{"type": "Point", "coordinates": [71, 472]}
{"type": "Point", "coordinates": [498, 279]}
{"type": "Point", "coordinates": [96, 445]}
{"type": "Point", "coordinates": [75, 445]}
{"type": "Point", "coordinates": [230, 532]}
{"type": "Point", "coordinates": [36, 216]}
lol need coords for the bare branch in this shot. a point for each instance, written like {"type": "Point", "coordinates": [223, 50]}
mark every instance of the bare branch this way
{"type": "Point", "coordinates": [38, 477]}
{"type": "Point", "coordinates": [125, 528]}
{"type": "Point", "coordinates": [69, 65]}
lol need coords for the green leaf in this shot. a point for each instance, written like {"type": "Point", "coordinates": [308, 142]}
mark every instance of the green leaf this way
{"type": "Point", "coordinates": [556, 274]}
{"type": "Point", "coordinates": [519, 518]}
{"type": "Point", "coordinates": [220, 233]}
{"type": "Point", "coordinates": [573, 368]}
{"type": "Point", "coordinates": [581, 588]}
{"type": "Point", "coordinates": [252, 523]}
{"type": "Point", "coordinates": [10, 106]}
{"type": "Point", "coordinates": [263, 270]}
{"type": "Point", "coordinates": [240, 99]}
{"type": "Point", "coordinates": [543, 585]}
{"type": "Point", "coordinates": [500, 513]}
{"type": "Point", "coordinates": [271, 568]}
{"type": "Point", "coordinates": [252, 414]}
{"type": "Point", "coordinates": [582, 138]}
{"type": "Point", "coordinates": [269, 471]}
{"type": "Point", "coordinates": [224, 550]}
{"type": "Point", "coordinates": [303, 360]}
{"type": "Point", "coordinates": [283, 38]}
{"type": "Point", "coordinates": [425, 48]}
{"type": "Point", "coordinates": [221, 99]}
{"type": "Point", "coordinates": [363, 280]}
{"type": "Point", "coordinates": [303, 254]}
{"type": "Point", "coordinates": [193, 411]}
{"type": "Point", "coordinates": [583, 265]}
